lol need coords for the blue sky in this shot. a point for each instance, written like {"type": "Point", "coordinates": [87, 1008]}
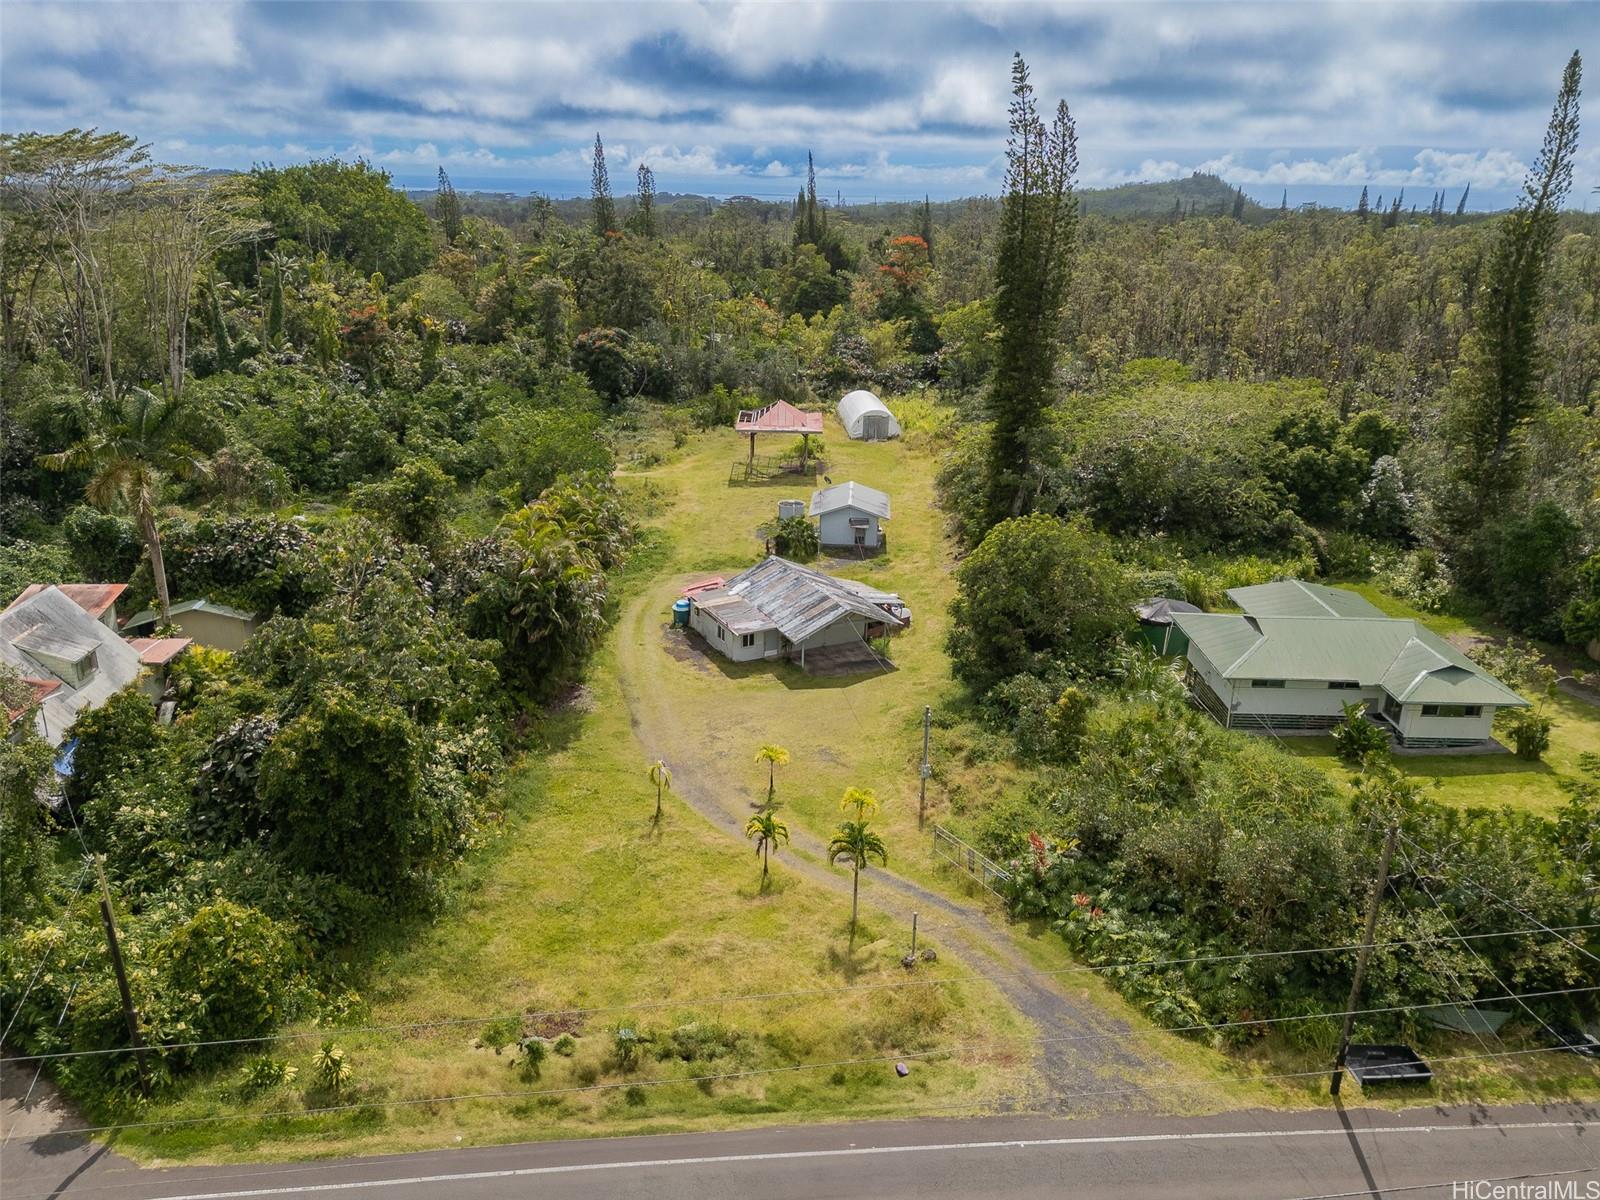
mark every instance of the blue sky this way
{"type": "Point", "coordinates": [894, 99]}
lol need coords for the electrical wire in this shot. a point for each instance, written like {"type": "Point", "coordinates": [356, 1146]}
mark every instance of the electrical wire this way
{"type": "Point", "coordinates": [720, 1001]}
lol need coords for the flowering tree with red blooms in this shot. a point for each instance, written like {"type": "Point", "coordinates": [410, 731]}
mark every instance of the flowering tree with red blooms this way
{"type": "Point", "coordinates": [905, 270]}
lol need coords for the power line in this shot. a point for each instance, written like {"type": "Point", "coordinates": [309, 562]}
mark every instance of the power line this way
{"type": "Point", "coordinates": [186, 1122]}
{"type": "Point", "coordinates": [1477, 887]}
{"type": "Point", "coordinates": [798, 993]}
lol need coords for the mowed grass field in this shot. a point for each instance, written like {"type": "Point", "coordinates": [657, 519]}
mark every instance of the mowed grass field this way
{"type": "Point", "coordinates": [1482, 780]}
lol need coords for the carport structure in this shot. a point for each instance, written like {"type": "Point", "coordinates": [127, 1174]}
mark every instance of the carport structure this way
{"type": "Point", "coordinates": [780, 417]}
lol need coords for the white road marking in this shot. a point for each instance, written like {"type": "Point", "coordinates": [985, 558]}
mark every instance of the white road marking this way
{"type": "Point", "coordinates": [856, 1152]}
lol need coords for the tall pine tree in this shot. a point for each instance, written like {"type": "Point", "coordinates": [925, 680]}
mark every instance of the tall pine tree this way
{"type": "Point", "coordinates": [925, 227]}
{"type": "Point", "coordinates": [1461, 206]}
{"type": "Point", "coordinates": [1038, 224]}
{"type": "Point", "coordinates": [1495, 392]}
{"type": "Point", "coordinates": [605, 212]}
{"type": "Point", "coordinates": [447, 207]}
{"type": "Point", "coordinates": [644, 208]}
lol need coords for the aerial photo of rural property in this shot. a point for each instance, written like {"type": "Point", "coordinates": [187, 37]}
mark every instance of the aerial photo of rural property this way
{"type": "Point", "coordinates": [799, 598]}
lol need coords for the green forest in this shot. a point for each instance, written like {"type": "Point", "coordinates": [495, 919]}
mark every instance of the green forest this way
{"type": "Point", "coordinates": [406, 431]}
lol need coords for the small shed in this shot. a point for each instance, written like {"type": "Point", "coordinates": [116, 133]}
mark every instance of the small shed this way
{"type": "Point", "coordinates": [779, 417]}
{"type": "Point", "coordinates": [866, 418]}
{"type": "Point", "coordinates": [217, 625]}
{"type": "Point", "coordinates": [850, 515]}
{"type": "Point", "coordinates": [1156, 629]}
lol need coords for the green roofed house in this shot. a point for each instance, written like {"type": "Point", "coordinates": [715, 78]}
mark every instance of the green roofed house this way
{"type": "Point", "coordinates": [1300, 652]}
{"type": "Point", "coordinates": [209, 623]}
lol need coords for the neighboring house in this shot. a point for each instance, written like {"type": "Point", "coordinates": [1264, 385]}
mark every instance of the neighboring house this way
{"type": "Point", "coordinates": [780, 609]}
{"type": "Point", "coordinates": [214, 625]}
{"type": "Point", "coordinates": [99, 600]}
{"type": "Point", "coordinates": [157, 655]}
{"type": "Point", "coordinates": [1301, 652]}
{"type": "Point", "coordinates": [71, 659]}
{"type": "Point", "coordinates": [850, 516]}
{"type": "Point", "coordinates": [866, 418]}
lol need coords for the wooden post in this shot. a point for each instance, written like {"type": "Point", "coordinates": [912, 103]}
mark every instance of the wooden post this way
{"type": "Point", "coordinates": [129, 1012]}
{"type": "Point", "coordinates": [927, 769]}
{"type": "Point", "coordinates": [1378, 885]}
{"type": "Point", "coordinates": [913, 935]}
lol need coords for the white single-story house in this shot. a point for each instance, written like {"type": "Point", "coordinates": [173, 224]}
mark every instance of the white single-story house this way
{"type": "Point", "coordinates": [1300, 652]}
{"type": "Point", "coordinates": [215, 625]}
{"type": "Point", "coordinates": [69, 658]}
{"type": "Point", "coordinates": [780, 609]}
{"type": "Point", "coordinates": [850, 516]}
{"type": "Point", "coordinates": [866, 418]}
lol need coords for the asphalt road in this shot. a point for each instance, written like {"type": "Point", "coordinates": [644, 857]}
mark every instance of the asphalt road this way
{"type": "Point", "coordinates": [1241, 1156]}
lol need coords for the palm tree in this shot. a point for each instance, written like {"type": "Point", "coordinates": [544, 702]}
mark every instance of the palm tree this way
{"type": "Point", "coordinates": [855, 842]}
{"type": "Point", "coordinates": [768, 831]}
{"type": "Point", "coordinates": [661, 776]}
{"type": "Point", "coordinates": [130, 446]}
{"type": "Point", "coordinates": [861, 801]}
{"type": "Point", "coordinates": [774, 756]}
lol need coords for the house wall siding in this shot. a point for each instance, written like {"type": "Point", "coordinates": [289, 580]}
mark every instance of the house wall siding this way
{"type": "Point", "coordinates": [727, 645]}
{"type": "Point", "coordinates": [834, 528]}
{"type": "Point", "coordinates": [1414, 725]}
{"type": "Point", "coordinates": [845, 631]}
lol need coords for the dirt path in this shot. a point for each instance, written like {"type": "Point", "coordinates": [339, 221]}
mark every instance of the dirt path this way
{"type": "Point", "coordinates": [1081, 1048]}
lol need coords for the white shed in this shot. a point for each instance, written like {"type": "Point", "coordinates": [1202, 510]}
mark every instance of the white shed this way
{"type": "Point", "coordinates": [850, 515]}
{"type": "Point", "coordinates": [866, 418]}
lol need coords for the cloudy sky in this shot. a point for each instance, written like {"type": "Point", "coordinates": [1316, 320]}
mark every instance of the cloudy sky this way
{"type": "Point", "coordinates": [894, 99]}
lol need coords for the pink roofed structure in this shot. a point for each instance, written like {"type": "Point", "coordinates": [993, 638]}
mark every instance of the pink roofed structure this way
{"type": "Point", "coordinates": [778, 417]}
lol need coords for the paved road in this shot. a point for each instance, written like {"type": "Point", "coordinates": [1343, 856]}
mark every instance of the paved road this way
{"type": "Point", "coordinates": [1241, 1156]}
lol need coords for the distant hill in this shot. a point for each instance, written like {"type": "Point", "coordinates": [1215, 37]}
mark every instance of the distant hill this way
{"type": "Point", "coordinates": [1198, 195]}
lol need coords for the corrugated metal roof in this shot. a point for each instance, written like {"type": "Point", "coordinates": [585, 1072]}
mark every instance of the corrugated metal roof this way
{"type": "Point", "coordinates": [850, 494]}
{"type": "Point", "coordinates": [93, 598]}
{"type": "Point", "coordinates": [1405, 658]}
{"type": "Point", "coordinates": [778, 417]}
{"type": "Point", "coordinates": [1296, 598]}
{"type": "Point", "coordinates": [1158, 610]}
{"type": "Point", "coordinates": [49, 617]}
{"type": "Point", "coordinates": [155, 652]}
{"type": "Point", "coordinates": [797, 601]}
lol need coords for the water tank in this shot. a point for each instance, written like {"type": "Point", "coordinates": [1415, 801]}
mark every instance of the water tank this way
{"type": "Point", "coordinates": [680, 613]}
{"type": "Point", "coordinates": [791, 508]}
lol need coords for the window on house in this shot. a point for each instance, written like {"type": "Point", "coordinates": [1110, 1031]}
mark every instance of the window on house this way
{"type": "Point", "coordinates": [1452, 710]}
{"type": "Point", "coordinates": [747, 640]}
{"type": "Point", "coordinates": [1268, 683]}
{"type": "Point", "coordinates": [1343, 684]}
{"type": "Point", "coordinates": [722, 634]}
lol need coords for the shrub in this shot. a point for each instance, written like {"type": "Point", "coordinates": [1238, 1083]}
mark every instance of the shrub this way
{"type": "Point", "coordinates": [500, 1033]}
{"type": "Point", "coordinates": [625, 1043]}
{"type": "Point", "coordinates": [105, 546]}
{"type": "Point", "coordinates": [120, 734]}
{"type": "Point", "coordinates": [566, 1045]}
{"type": "Point", "coordinates": [796, 538]}
{"type": "Point", "coordinates": [238, 960]}
{"type": "Point", "coordinates": [330, 1069]}
{"type": "Point", "coordinates": [1530, 732]}
{"type": "Point", "coordinates": [265, 1073]}
{"type": "Point", "coordinates": [1355, 737]}
{"type": "Point", "coordinates": [531, 1053]}
{"type": "Point", "coordinates": [1417, 577]}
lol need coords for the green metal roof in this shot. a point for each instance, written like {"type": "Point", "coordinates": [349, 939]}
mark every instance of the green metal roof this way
{"type": "Point", "coordinates": [1296, 598]}
{"type": "Point", "coordinates": [1406, 659]}
{"type": "Point", "coordinates": [149, 615]}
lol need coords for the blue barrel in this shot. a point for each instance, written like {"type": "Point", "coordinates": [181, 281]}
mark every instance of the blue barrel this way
{"type": "Point", "coordinates": [680, 614]}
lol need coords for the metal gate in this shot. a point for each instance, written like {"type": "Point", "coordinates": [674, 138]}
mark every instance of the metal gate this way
{"type": "Point", "coordinates": [952, 849]}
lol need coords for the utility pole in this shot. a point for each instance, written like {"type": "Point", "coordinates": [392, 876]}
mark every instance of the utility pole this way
{"type": "Point", "coordinates": [1378, 886]}
{"type": "Point", "coordinates": [128, 1010]}
{"type": "Point", "coordinates": [927, 768]}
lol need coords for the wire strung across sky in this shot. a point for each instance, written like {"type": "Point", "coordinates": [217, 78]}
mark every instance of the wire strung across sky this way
{"type": "Point", "coordinates": [759, 997]}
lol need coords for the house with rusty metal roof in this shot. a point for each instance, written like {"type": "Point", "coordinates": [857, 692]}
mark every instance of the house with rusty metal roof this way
{"type": "Point", "coordinates": [99, 600]}
{"type": "Point", "coordinates": [1300, 652]}
{"type": "Point", "coordinates": [779, 609]}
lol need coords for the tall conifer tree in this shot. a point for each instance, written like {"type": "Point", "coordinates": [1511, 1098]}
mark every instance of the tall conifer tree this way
{"type": "Point", "coordinates": [1362, 209]}
{"type": "Point", "coordinates": [447, 207]}
{"type": "Point", "coordinates": [605, 212]}
{"type": "Point", "coordinates": [1495, 392]}
{"type": "Point", "coordinates": [644, 209]}
{"type": "Point", "coordinates": [1038, 223]}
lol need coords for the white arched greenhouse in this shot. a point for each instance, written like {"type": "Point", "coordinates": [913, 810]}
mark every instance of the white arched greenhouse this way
{"type": "Point", "coordinates": [866, 418]}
